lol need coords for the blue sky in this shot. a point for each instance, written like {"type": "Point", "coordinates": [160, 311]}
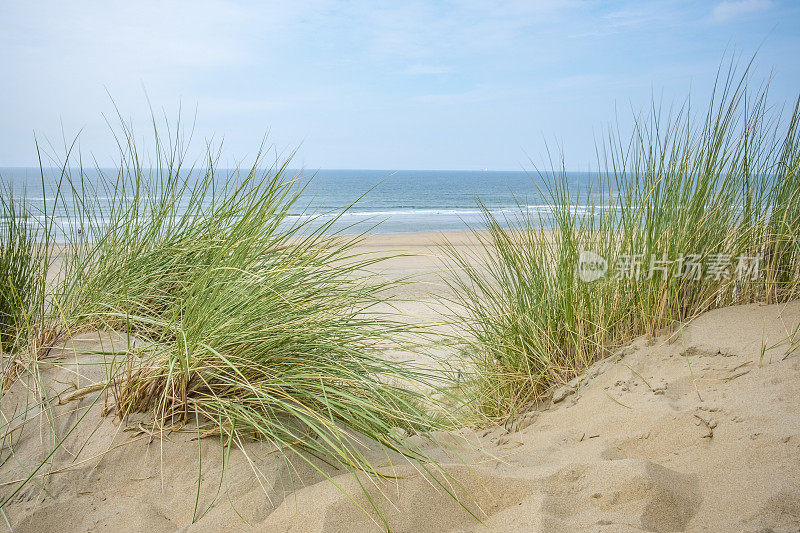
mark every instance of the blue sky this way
{"type": "Point", "coordinates": [386, 85]}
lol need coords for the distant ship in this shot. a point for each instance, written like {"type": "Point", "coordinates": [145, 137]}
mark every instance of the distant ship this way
{"type": "Point", "coordinates": [484, 170]}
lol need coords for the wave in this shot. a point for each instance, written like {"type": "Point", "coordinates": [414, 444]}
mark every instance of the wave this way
{"type": "Point", "coordinates": [443, 211]}
{"type": "Point", "coordinates": [402, 212]}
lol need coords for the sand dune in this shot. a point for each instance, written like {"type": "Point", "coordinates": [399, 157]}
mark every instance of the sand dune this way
{"type": "Point", "coordinates": [696, 430]}
{"type": "Point", "coordinates": [636, 445]}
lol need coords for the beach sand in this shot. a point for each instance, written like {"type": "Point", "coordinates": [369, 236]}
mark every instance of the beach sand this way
{"type": "Point", "coordinates": [699, 432]}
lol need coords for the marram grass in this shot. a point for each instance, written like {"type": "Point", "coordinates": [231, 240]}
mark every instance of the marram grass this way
{"type": "Point", "coordinates": [19, 269]}
{"type": "Point", "coordinates": [25, 254]}
{"type": "Point", "coordinates": [721, 187]}
{"type": "Point", "coordinates": [243, 321]}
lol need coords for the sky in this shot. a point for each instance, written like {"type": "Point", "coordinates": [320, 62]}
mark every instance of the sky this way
{"type": "Point", "coordinates": [372, 84]}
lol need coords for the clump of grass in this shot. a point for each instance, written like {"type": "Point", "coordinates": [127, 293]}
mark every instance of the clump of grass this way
{"type": "Point", "coordinates": [17, 269]}
{"type": "Point", "coordinates": [244, 320]}
{"type": "Point", "coordinates": [678, 191]}
{"type": "Point", "coordinates": [25, 246]}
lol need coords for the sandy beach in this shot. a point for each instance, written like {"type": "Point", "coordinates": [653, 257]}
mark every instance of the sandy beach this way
{"type": "Point", "coordinates": [695, 432]}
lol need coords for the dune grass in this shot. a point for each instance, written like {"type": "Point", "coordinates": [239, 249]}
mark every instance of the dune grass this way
{"type": "Point", "coordinates": [721, 190]}
{"type": "Point", "coordinates": [243, 320]}
{"type": "Point", "coordinates": [25, 250]}
{"type": "Point", "coordinates": [17, 269]}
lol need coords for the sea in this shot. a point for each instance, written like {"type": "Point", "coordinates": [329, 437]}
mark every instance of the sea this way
{"type": "Point", "coordinates": [376, 201]}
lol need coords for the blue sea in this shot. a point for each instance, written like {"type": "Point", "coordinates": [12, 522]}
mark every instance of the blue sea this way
{"type": "Point", "coordinates": [383, 201]}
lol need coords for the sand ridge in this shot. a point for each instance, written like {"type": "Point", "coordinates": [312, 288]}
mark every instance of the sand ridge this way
{"type": "Point", "coordinates": [636, 444]}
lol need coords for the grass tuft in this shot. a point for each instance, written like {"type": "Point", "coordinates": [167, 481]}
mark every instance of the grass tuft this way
{"type": "Point", "coordinates": [25, 246]}
{"type": "Point", "coordinates": [681, 189]}
{"type": "Point", "coordinates": [243, 320]}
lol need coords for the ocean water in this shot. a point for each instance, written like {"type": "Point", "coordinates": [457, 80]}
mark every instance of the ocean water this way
{"type": "Point", "coordinates": [383, 201]}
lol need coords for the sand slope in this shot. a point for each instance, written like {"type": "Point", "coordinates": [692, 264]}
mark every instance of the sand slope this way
{"type": "Point", "coordinates": [698, 432]}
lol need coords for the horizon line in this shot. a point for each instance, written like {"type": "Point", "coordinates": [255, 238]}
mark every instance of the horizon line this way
{"type": "Point", "coordinates": [342, 169]}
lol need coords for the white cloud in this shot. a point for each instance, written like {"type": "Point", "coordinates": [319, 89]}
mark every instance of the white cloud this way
{"type": "Point", "coordinates": [732, 9]}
